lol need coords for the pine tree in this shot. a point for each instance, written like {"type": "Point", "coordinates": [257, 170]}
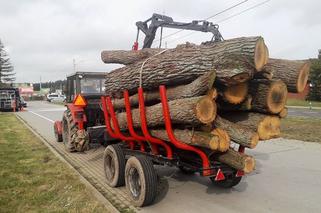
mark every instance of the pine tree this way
{"type": "Point", "coordinates": [6, 69]}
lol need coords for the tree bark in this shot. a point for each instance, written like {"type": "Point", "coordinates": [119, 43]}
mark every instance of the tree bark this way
{"type": "Point", "coordinates": [198, 87]}
{"type": "Point", "coordinates": [127, 57]}
{"type": "Point", "coordinates": [194, 138]}
{"type": "Point", "coordinates": [188, 111]}
{"type": "Point", "coordinates": [237, 160]}
{"type": "Point", "coordinates": [293, 73]}
{"type": "Point", "coordinates": [267, 126]}
{"type": "Point", "coordinates": [230, 59]}
{"type": "Point", "coordinates": [238, 133]}
{"type": "Point", "coordinates": [268, 96]}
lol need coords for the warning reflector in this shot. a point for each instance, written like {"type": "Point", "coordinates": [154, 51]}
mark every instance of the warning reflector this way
{"type": "Point", "coordinates": [80, 101]}
{"type": "Point", "coordinates": [239, 173]}
{"type": "Point", "coordinates": [219, 175]}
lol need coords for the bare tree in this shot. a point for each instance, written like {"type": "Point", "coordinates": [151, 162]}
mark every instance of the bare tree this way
{"type": "Point", "coordinates": [7, 74]}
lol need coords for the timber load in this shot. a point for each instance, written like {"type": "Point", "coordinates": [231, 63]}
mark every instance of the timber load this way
{"type": "Point", "coordinates": [220, 94]}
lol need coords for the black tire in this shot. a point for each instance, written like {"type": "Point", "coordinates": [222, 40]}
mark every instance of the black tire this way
{"type": "Point", "coordinates": [229, 181]}
{"type": "Point", "coordinates": [73, 138]}
{"type": "Point", "coordinates": [141, 180]}
{"type": "Point", "coordinates": [57, 135]}
{"type": "Point", "coordinates": [186, 170]}
{"type": "Point", "coordinates": [114, 165]}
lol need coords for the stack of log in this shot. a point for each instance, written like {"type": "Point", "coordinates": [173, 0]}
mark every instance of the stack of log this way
{"type": "Point", "coordinates": [219, 94]}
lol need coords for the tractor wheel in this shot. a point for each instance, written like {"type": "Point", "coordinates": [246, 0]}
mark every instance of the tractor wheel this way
{"type": "Point", "coordinates": [73, 138]}
{"type": "Point", "coordinates": [229, 181]}
{"type": "Point", "coordinates": [141, 180]}
{"type": "Point", "coordinates": [114, 165]}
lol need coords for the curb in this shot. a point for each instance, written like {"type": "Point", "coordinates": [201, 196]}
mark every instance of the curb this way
{"type": "Point", "coordinates": [304, 107]}
{"type": "Point", "coordinates": [96, 193]}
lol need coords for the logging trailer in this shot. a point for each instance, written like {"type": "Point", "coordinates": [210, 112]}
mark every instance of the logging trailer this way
{"type": "Point", "coordinates": [90, 120]}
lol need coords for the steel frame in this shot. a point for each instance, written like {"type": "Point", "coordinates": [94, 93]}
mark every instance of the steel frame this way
{"type": "Point", "coordinates": [134, 139]}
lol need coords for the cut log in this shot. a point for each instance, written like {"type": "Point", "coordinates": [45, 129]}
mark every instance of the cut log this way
{"type": "Point", "coordinates": [194, 138]}
{"type": "Point", "coordinates": [212, 93]}
{"type": "Point", "coordinates": [238, 133]}
{"type": "Point", "coordinates": [268, 96]}
{"type": "Point", "coordinates": [267, 126]}
{"type": "Point", "coordinates": [188, 111]}
{"type": "Point", "coordinates": [246, 105]}
{"type": "Point", "coordinates": [235, 94]}
{"type": "Point", "coordinates": [198, 87]}
{"type": "Point", "coordinates": [237, 160]}
{"type": "Point", "coordinates": [293, 73]}
{"type": "Point", "coordinates": [127, 57]}
{"type": "Point", "coordinates": [283, 113]}
{"type": "Point", "coordinates": [231, 59]}
{"type": "Point", "coordinates": [224, 139]}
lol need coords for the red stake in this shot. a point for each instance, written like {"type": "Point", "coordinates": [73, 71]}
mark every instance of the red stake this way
{"type": "Point", "coordinates": [132, 132]}
{"type": "Point", "coordinates": [145, 129]}
{"type": "Point", "coordinates": [116, 132]}
{"type": "Point", "coordinates": [177, 143]}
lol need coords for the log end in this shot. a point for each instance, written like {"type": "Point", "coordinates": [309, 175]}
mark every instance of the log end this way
{"type": "Point", "coordinates": [224, 139]}
{"type": "Point", "coordinates": [214, 143]}
{"type": "Point", "coordinates": [206, 109]}
{"type": "Point", "coordinates": [303, 77]}
{"type": "Point", "coordinates": [283, 113]}
{"type": "Point", "coordinates": [254, 140]}
{"type": "Point", "coordinates": [249, 164]}
{"type": "Point", "coordinates": [269, 128]}
{"type": "Point", "coordinates": [236, 94]}
{"type": "Point", "coordinates": [261, 54]}
{"type": "Point", "coordinates": [212, 93]}
{"type": "Point", "coordinates": [276, 98]}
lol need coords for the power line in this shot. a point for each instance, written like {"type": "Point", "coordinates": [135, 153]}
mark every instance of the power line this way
{"type": "Point", "coordinates": [216, 14]}
{"type": "Point", "coordinates": [225, 19]}
{"type": "Point", "coordinates": [227, 9]}
{"type": "Point", "coordinates": [243, 11]}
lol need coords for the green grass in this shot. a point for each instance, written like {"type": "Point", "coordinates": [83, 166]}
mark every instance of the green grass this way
{"type": "Point", "coordinates": [32, 179]}
{"type": "Point", "coordinates": [296, 102]}
{"type": "Point", "coordinates": [305, 129]}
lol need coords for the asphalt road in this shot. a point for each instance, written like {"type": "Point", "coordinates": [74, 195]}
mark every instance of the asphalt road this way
{"type": "Point", "coordinates": [304, 112]}
{"type": "Point", "coordinates": [286, 179]}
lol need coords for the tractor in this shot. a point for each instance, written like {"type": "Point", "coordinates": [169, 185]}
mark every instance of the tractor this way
{"type": "Point", "coordinates": [82, 123]}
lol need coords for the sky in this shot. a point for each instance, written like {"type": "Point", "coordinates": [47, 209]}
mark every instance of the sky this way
{"type": "Point", "coordinates": [45, 37]}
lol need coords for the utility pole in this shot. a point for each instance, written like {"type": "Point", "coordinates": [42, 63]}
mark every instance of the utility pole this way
{"type": "Point", "coordinates": [40, 84]}
{"type": "Point", "coordinates": [74, 64]}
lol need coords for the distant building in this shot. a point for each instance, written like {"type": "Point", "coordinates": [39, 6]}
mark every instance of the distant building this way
{"type": "Point", "coordinates": [25, 89]}
{"type": "Point", "coordinates": [302, 95]}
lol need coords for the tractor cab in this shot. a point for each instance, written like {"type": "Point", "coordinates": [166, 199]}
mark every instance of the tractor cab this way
{"type": "Point", "coordinates": [89, 84]}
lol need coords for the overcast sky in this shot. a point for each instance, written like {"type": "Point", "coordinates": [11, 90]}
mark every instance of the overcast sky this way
{"type": "Point", "coordinates": [44, 36]}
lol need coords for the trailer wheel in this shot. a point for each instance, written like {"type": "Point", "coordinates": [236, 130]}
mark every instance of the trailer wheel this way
{"type": "Point", "coordinates": [73, 138]}
{"type": "Point", "coordinates": [114, 165]}
{"type": "Point", "coordinates": [229, 181]}
{"type": "Point", "coordinates": [141, 180]}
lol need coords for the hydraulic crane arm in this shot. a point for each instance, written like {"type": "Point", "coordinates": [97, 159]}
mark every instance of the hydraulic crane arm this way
{"type": "Point", "coordinates": [157, 20]}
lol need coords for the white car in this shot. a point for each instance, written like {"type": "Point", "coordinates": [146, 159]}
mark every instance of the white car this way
{"type": "Point", "coordinates": [53, 97]}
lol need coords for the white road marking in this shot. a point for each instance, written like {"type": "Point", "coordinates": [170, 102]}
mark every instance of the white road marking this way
{"type": "Point", "coordinates": [52, 110]}
{"type": "Point", "coordinates": [41, 116]}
